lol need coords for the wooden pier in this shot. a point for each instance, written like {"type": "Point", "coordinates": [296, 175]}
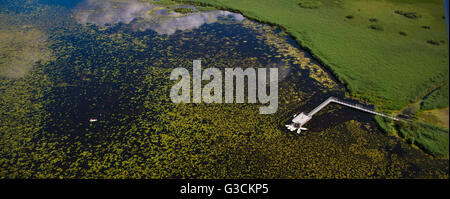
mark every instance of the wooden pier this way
{"type": "Point", "coordinates": [302, 118]}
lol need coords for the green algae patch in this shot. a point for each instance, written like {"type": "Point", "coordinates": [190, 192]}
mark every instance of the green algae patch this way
{"type": "Point", "coordinates": [20, 49]}
{"type": "Point", "coordinates": [184, 10]}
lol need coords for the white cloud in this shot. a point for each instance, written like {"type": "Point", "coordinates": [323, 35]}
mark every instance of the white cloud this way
{"type": "Point", "coordinates": [143, 16]}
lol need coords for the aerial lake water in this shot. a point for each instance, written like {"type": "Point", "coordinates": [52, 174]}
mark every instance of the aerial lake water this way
{"type": "Point", "coordinates": [111, 61]}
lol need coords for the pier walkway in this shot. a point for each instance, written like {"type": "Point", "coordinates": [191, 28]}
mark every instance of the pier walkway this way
{"type": "Point", "coordinates": [303, 118]}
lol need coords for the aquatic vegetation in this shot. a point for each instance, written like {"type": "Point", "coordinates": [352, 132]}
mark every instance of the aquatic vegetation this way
{"type": "Point", "coordinates": [288, 51]}
{"type": "Point", "coordinates": [385, 125]}
{"type": "Point", "coordinates": [369, 74]}
{"type": "Point", "coordinates": [21, 105]}
{"type": "Point", "coordinates": [183, 10]}
{"type": "Point", "coordinates": [20, 49]}
{"type": "Point", "coordinates": [121, 77]}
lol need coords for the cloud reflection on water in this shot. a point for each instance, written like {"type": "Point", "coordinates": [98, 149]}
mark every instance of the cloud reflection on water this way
{"type": "Point", "coordinates": [143, 16]}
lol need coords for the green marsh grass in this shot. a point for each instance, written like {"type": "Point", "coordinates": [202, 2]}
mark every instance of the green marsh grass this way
{"type": "Point", "coordinates": [437, 99]}
{"type": "Point", "coordinates": [391, 68]}
{"type": "Point", "coordinates": [383, 67]}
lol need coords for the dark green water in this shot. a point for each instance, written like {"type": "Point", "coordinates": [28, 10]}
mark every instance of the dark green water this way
{"type": "Point", "coordinates": [112, 61]}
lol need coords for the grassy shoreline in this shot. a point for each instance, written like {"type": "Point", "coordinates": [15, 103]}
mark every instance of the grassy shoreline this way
{"type": "Point", "coordinates": [394, 99]}
{"type": "Point", "coordinates": [140, 133]}
{"type": "Point", "coordinates": [377, 66]}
